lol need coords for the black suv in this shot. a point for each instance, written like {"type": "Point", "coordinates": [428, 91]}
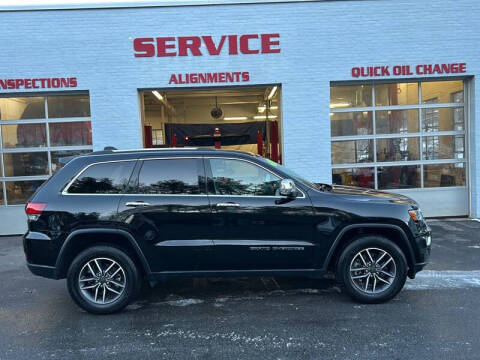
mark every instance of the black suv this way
{"type": "Point", "coordinates": [111, 219]}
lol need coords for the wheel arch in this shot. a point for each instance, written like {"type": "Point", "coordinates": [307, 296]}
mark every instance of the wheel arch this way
{"type": "Point", "coordinates": [82, 239]}
{"type": "Point", "coordinates": [351, 232]}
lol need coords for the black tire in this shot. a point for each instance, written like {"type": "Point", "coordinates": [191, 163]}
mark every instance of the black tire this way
{"type": "Point", "coordinates": [352, 287]}
{"type": "Point", "coordinates": [131, 276]}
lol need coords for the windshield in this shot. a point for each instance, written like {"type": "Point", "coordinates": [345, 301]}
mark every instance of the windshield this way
{"type": "Point", "coordinates": [292, 174]}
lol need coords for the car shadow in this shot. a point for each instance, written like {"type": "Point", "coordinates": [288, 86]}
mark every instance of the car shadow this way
{"type": "Point", "coordinates": [185, 291]}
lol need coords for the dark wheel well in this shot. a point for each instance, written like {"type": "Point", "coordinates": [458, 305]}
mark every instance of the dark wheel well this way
{"type": "Point", "coordinates": [352, 234]}
{"type": "Point", "coordinates": [82, 241]}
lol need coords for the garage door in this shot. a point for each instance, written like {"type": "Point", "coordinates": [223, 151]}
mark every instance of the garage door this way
{"type": "Point", "coordinates": [405, 137]}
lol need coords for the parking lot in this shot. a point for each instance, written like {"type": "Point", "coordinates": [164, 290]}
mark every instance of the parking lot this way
{"type": "Point", "coordinates": [436, 316]}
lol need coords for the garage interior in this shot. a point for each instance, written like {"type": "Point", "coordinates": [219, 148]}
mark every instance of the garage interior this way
{"type": "Point", "coordinates": [239, 118]}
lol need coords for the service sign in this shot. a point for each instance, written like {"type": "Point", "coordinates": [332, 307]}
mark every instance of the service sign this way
{"type": "Point", "coordinates": [247, 44]}
{"type": "Point", "coordinates": [408, 70]}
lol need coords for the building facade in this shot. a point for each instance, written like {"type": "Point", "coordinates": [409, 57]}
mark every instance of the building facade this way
{"type": "Point", "coordinates": [377, 94]}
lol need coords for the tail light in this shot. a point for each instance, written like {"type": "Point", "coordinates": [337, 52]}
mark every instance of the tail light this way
{"type": "Point", "coordinates": [35, 208]}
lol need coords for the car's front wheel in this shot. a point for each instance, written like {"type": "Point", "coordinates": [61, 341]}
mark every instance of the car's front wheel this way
{"type": "Point", "coordinates": [103, 279]}
{"type": "Point", "coordinates": [372, 269]}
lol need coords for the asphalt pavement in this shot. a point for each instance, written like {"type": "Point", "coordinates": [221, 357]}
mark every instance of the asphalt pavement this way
{"type": "Point", "coordinates": [436, 316]}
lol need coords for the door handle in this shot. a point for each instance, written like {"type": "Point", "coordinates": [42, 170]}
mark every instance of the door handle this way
{"type": "Point", "coordinates": [136, 203]}
{"type": "Point", "coordinates": [228, 204]}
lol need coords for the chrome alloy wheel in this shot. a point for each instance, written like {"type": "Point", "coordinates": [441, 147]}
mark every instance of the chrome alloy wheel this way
{"type": "Point", "coordinates": [372, 270]}
{"type": "Point", "coordinates": [101, 281]}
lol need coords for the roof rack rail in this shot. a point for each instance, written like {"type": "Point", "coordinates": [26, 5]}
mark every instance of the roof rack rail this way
{"type": "Point", "coordinates": [163, 149]}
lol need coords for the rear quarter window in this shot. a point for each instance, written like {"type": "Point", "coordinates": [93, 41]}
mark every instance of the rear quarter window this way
{"type": "Point", "coordinates": [103, 178]}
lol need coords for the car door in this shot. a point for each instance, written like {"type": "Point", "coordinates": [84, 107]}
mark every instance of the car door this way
{"type": "Point", "coordinates": [254, 228]}
{"type": "Point", "coordinates": [167, 209]}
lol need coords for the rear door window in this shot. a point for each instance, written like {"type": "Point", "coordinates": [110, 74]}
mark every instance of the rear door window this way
{"type": "Point", "coordinates": [171, 177]}
{"type": "Point", "coordinates": [103, 178]}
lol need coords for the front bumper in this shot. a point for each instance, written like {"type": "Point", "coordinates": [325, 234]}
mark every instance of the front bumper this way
{"type": "Point", "coordinates": [424, 245]}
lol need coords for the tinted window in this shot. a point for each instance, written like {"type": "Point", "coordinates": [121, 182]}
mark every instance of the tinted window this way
{"type": "Point", "coordinates": [236, 177]}
{"type": "Point", "coordinates": [170, 176]}
{"type": "Point", "coordinates": [106, 178]}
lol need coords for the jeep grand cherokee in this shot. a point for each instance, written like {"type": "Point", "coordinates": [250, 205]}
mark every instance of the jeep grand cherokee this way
{"type": "Point", "coordinates": [108, 220]}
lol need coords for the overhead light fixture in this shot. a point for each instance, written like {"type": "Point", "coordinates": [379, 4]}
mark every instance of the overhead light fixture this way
{"type": "Point", "coordinates": [262, 108]}
{"type": "Point", "coordinates": [157, 95]}
{"type": "Point", "coordinates": [272, 92]}
{"type": "Point", "coordinates": [264, 117]}
{"type": "Point", "coordinates": [338, 105]}
{"type": "Point", "coordinates": [235, 118]}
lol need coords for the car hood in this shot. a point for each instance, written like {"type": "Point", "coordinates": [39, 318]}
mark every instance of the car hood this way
{"type": "Point", "coordinates": [362, 194]}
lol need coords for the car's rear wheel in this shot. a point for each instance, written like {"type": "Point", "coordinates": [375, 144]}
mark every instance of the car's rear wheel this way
{"type": "Point", "coordinates": [372, 269]}
{"type": "Point", "coordinates": [103, 280]}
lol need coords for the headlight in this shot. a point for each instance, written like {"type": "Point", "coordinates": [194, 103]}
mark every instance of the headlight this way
{"type": "Point", "coordinates": [416, 215]}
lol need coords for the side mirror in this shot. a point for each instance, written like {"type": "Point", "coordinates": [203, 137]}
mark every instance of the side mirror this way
{"type": "Point", "coordinates": [288, 188]}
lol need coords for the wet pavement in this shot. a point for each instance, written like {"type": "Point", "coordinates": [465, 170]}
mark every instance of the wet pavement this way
{"type": "Point", "coordinates": [436, 316]}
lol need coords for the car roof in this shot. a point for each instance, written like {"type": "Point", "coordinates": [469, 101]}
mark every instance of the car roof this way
{"type": "Point", "coordinates": [155, 152]}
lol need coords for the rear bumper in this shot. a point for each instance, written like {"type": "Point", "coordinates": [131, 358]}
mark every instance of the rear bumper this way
{"type": "Point", "coordinates": [43, 270]}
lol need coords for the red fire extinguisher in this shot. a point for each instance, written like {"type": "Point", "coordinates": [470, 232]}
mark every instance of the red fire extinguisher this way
{"type": "Point", "coordinates": [217, 134]}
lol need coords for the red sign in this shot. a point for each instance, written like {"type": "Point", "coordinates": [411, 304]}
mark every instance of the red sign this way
{"type": "Point", "coordinates": [38, 83]}
{"type": "Point", "coordinates": [206, 45]}
{"type": "Point", "coordinates": [406, 70]}
{"type": "Point", "coordinates": [207, 78]}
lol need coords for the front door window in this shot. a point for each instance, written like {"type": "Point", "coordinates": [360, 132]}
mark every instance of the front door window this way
{"type": "Point", "coordinates": [241, 178]}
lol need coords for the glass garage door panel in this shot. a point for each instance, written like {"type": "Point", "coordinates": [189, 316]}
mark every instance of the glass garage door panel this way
{"type": "Point", "coordinates": [36, 132]}
{"type": "Point", "coordinates": [407, 138]}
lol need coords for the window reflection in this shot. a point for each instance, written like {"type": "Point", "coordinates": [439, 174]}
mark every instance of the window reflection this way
{"type": "Point", "coordinates": [107, 178]}
{"type": "Point", "coordinates": [2, 202]}
{"type": "Point", "coordinates": [361, 177]}
{"type": "Point", "coordinates": [396, 94]}
{"type": "Point", "coordinates": [350, 152]}
{"type": "Point", "coordinates": [22, 108]}
{"type": "Point", "coordinates": [351, 123]}
{"type": "Point", "coordinates": [173, 176]}
{"type": "Point", "coordinates": [398, 149]}
{"type": "Point", "coordinates": [24, 135]}
{"type": "Point", "coordinates": [18, 192]}
{"type": "Point", "coordinates": [57, 156]}
{"type": "Point", "coordinates": [443, 147]}
{"type": "Point", "coordinates": [71, 133]}
{"type": "Point", "coordinates": [444, 175]}
{"type": "Point", "coordinates": [350, 96]}
{"type": "Point", "coordinates": [443, 119]}
{"type": "Point", "coordinates": [398, 177]}
{"type": "Point", "coordinates": [396, 121]}
{"type": "Point", "coordinates": [442, 91]}
{"type": "Point", "coordinates": [235, 177]}
{"type": "Point", "coordinates": [25, 164]}
{"type": "Point", "coordinates": [68, 106]}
